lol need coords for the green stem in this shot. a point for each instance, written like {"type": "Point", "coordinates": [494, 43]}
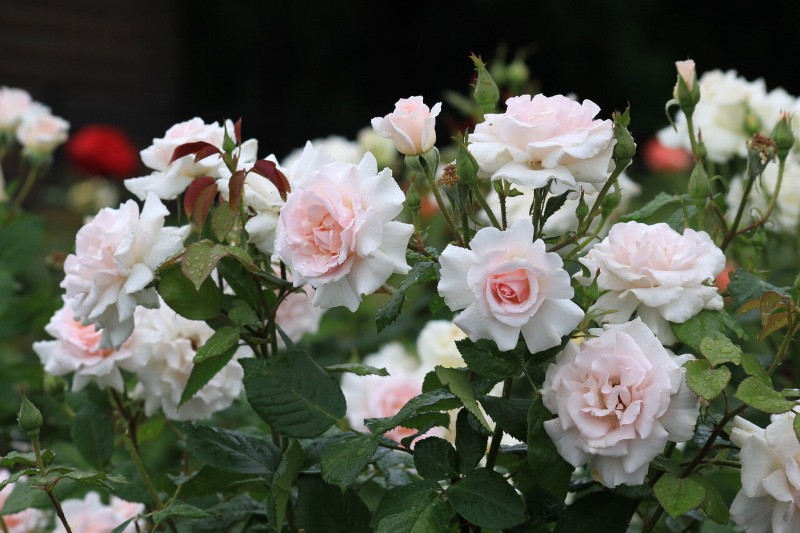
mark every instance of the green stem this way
{"type": "Point", "coordinates": [30, 179]}
{"type": "Point", "coordinates": [429, 175]}
{"type": "Point", "coordinates": [497, 436]}
{"type": "Point", "coordinates": [784, 347]}
{"type": "Point", "coordinates": [485, 206]}
{"type": "Point", "coordinates": [776, 192]}
{"type": "Point", "coordinates": [692, 137]}
{"type": "Point", "coordinates": [37, 450]}
{"type": "Point", "coordinates": [748, 186]}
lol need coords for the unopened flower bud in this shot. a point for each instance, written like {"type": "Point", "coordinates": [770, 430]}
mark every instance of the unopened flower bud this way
{"type": "Point", "coordinates": [466, 166]}
{"type": "Point", "coordinates": [783, 135]}
{"type": "Point", "coordinates": [698, 184]}
{"type": "Point", "coordinates": [625, 147]}
{"type": "Point", "coordinates": [54, 386]}
{"type": "Point", "coordinates": [412, 199]}
{"type": "Point", "coordinates": [687, 90]}
{"type": "Point", "coordinates": [760, 151]}
{"type": "Point", "coordinates": [517, 73]}
{"type": "Point", "coordinates": [611, 201]}
{"type": "Point", "coordinates": [752, 124]}
{"type": "Point", "coordinates": [29, 418]}
{"type": "Point", "coordinates": [486, 92]}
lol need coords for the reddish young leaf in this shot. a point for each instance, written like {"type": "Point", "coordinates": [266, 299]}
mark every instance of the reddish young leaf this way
{"type": "Point", "coordinates": [269, 170]}
{"type": "Point", "coordinates": [198, 199]}
{"type": "Point", "coordinates": [237, 131]}
{"type": "Point", "coordinates": [194, 148]}
{"type": "Point", "coordinates": [204, 152]}
{"type": "Point", "coordinates": [236, 186]}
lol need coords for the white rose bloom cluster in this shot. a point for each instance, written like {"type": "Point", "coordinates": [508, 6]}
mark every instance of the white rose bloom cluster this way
{"type": "Point", "coordinates": [30, 123]}
{"type": "Point", "coordinates": [116, 256]}
{"type": "Point", "coordinates": [786, 216]}
{"type": "Point", "coordinates": [164, 347]}
{"type": "Point", "coordinates": [92, 515]}
{"type": "Point", "coordinates": [730, 111]}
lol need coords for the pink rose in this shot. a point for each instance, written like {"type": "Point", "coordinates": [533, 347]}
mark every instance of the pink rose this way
{"type": "Point", "coordinates": [40, 132]}
{"type": "Point", "coordinates": [656, 272]}
{"type": "Point", "coordinates": [542, 138]}
{"type": "Point", "coordinates": [90, 515]}
{"type": "Point", "coordinates": [171, 179]}
{"type": "Point", "coordinates": [13, 104]}
{"type": "Point", "coordinates": [508, 284]}
{"type": "Point", "coordinates": [116, 255]}
{"type": "Point", "coordinates": [619, 397]}
{"type": "Point", "coordinates": [76, 348]}
{"type": "Point", "coordinates": [661, 158]}
{"type": "Point", "coordinates": [296, 316]}
{"type": "Point", "coordinates": [410, 126]}
{"type": "Point", "coordinates": [336, 232]}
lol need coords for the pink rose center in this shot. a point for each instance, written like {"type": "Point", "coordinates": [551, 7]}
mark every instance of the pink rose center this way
{"type": "Point", "coordinates": [327, 235]}
{"type": "Point", "coordinates": [87, 340]}
{"type": "Point", "coordinates": [512, 288]}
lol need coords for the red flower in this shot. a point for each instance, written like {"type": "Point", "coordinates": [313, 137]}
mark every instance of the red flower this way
{"type": "Point", "coordinates": [660, 158]}
{"type": "Point", "coordinates": [104, 150]}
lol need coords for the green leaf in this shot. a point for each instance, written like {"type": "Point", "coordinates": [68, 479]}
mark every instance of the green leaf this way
{"type": "Point", "coordinates": [25, 458]}
{"type": "Point", "coordinates": [293, 394]}
{"type": "Point", "coordinates": [719, 350]}
{"type": "Point", "coordinates": [290, 465]}
{"type": "Point", "coordinates": [178, 509]}
{"type": "Point", "coordinates": [753, 367]}
{"type": "Point", "coordinates": [435, 400]}
{"type": "Point", "coordinates": [430, 516]}
{"type": "Point", "coordinates": [13, 478]}
{"type": "Point", "coordinates": [357, 369]}
{"type": "Point", "coordinates": [486, 499]}
{"type": "Point", "coordinates": [470, 442]}
{"type": "Point", "coordinates": [389, 312]}
{"type": "Point", "coordinates": [323, 508]}
{"type": "Point", "coordinates": [200, 259]}
{"type": "Point", "coordinates": [510, 413]}
{"type": "Point", "coordinates": [222, 220]}
{"type": "Point", "coordinates": [93, 434]}
{"type": "Point", "coordinates": [221, 341]}
{"type": "Point", "coordinates": [553, 472]}
{"type": "Point", "coordinates": [181, 295]}
{"type": "Point", "coordinates": [344, 460]}
{"type": "Point", "coordinates": [231, 451]}
{"type": "Point", "coordinates": [706, 382]}
{"type": "Point", "coordinates": [203, 372]}
{"type": "Point", "coordinates": [150, 429]}
{"type": "Point", "coordinates": [21, 238]}
{"type": "Point", "coordinates": [435, 459]}
{"type": "Point", "coordinates": [706, 324]}
{"type": "Point", "coordinates": [458, 383]}
{"type": "Point", "coordinates": [484, 358]}
{"type": "Point", "coordinates": [744, 287]}
{"type": "Point", "coordinates": [404, 497]}
{"type": "Point", "coordinates": [763, 397]}
{"type": "Point", "coordinates": [96, 479]}
{"type": "Point", "coordinates": [714, 505]}
{"type": "Point", "coordinates": [662, 199]}
{"type": "Point", "coordinates": [421, 272]}
{"type": "Point", "coordinates": [678, 496]}
{"type": "Point", "coordinates": [597, 512]}
{"type": "Point", "coordinates": [242, 257]}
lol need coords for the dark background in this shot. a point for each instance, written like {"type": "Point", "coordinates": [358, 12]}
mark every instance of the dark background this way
{"type": "Point", "coordinates": [296, 70]}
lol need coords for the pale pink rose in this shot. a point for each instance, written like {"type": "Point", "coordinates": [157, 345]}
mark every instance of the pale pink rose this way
{"type": "Point", "coordinates": [296, 316]}
{"type": "Point", "coordinates": [40, 132]}
{"type": "Point", "coordinates": [411, 126]}
{"type": "Point", "coordinates": [508, 284]}
{"type": "Point", "coordinates": [661, 158]}
{"type": "Point", "coordinates": [770, 495]}
{"type": "Point", "coordinates": [26, 521]}
{"type": "Point", "coordinates": [336, 232]}
{"type": "Point", "coordinates": [13, 104]}
{"type": "Point", "coordinates": [542, 138]}
{"type": "Point", "coordinates": [90, 515]}
{"type": "Point", "coordinates": [656, 272]}
{"type": "Point", "coordinates": [619, 397]}
{"type": "Point", "coordinates": [76, 348]}
{"type": "Point", "coordinates": [384, 396]}
{"type": "Point", "coordinates": [436, 345]}
{"type": "Point", "coordinates": [171, 179]}
{"type": "Point", "coordinates": [116, 255]}
{"type": "Point", "coordinates": [164, 348]}
{"type": "Point", "coordinates": [686, 71]}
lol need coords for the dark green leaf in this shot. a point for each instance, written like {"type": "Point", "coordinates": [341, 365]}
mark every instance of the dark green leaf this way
{"type": "Point", "coordinates": [706, 382]}
{"type": "Point", "coordinates": [597, 512]}
{"type": "Point", "coordinates": [650, 208]}
{"type": "Point", "coordinates": [178, 509]}
{"type": "Point", "coordinates": [344, 460]}
{"type": "Point", "coordinates": [204, 371]}
{"type": "Point", "coordinates": [97, 479]}
{"type": "Point", "coordinates": [719, 350]}
{"type": "Point", "coordinates": [293, 394]}
{"type": "Point", "coordinates": [180, 294]}
{"type": "Point", "coordinates": [222, 220]}
{"type": "Point", "coordinates": [678, 496]}
{"type": "Point", "coordinates": [242, 257]}
{"type": "Point", "coordinates": [435, 400]}
{"type": "Point", "coordinates": [323, 508]}
{"type": "Point", "coordinates": [431, 516]}
{"type": "Point", "coordinates": [763, 397]}
{"type": "Point", "coordinates": [435, 459]}
{"type": "Point", "coordinates": [290, 465]}
{"type": "Point", "coordinates": [484, 358]}
{"type": "Point", "coordinates": [389, 312]}
{"type": "Point", "coordinates": [510, 413]}
{"type": "Point", "coordinates": [401, 498]}
{"type": "Point", "coordinates": [470, 442]}
{"type": "Point", "coordinates": [714, 505]}
{"type": "Point", "coordinates": [93, 434]}
{"type": "Point", "coordinates": [221, 341]}
{"type": "Point", "coordinates": [200, 259]}
{"type": "Point", "coordinates": [554, 203]}
{"type": "Point", "coordinates": [744, 287]}
{"type": "Point", "coordinates": [706, 324]}
{"type": "Point", "coordinates": [458, 383]}
{"type": "Point", "coordinates": [753, 367]}
{"type": "Point", "coordinates": [421, 272]}
{"type": "Point", "coordinates": [553, 473]}
{"type": "Point", "coordinates": [486, 499]}
{"type": "Point", "coordinates": [231, 451]}
{"type": "Point", "coordinates": [357, 369]}
{"type": "Point", "coordinates": [25, 458]}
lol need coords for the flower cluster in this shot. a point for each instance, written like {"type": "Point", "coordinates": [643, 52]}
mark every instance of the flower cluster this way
{"type": "Point", "coordinates": [30, 123]}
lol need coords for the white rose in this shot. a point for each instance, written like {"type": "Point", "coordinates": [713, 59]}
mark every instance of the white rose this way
{"type": "Point", "coordinates": [13, 105]}
{"type": "Point", "coordinates": [436, 345]}
{"type": "Point", "coordinates": [786, 216]}
{"type": "Point", "coordinates": [40, 132]}
{"type": "Point", "coordinates": [656, 272]}
{"type": "Point", "coordinates": [411, 126]}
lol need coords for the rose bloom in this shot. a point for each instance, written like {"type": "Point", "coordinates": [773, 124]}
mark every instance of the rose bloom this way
{"type": "Point", "coordinates": [661, 158]}
{"type": "Point", "coordinates": [686, 70]}
{"type": "Point", "coordinates": [436, 345]}
{"type": "Point", "coordinates": [619, 397]}
{"type": "Point", "coordinates": [336, 232]}
{"type": "Point", "coordinates": [90, 515]}
{"type": "Point", "coordinates": [116, 255]}
{"type": "Point", "coordinates": [786, 216]}
{"type": "Point", "coordinates": [542, 138]}
{"type": "Point", "coordinates": [411, 126]}
{"type": "Point", "coordinates": [163, 354]}
{"type": "Point", "coordinates": [508, 284]}
{"type": "Point", "coordinates": [656, 272]}
{"type": "Point", "coordinates": [384, 396]}
{"type": "Point", "coordinates": [40, 132]}
{"type": "Point", "coordinates": [13, 104]}
{"type": "Point", "coordinates": [76, 348]}
{"type": "Point", "coordinates": [336, 147]}
{"type": "Point", "coordinates": [26, 521]}
{"type": "Point", "coordinates": [103, 150]}
{"type": "Point", "coordinates": [171, 179]}
{"type": "Point", "coordinates": [770, 494]}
